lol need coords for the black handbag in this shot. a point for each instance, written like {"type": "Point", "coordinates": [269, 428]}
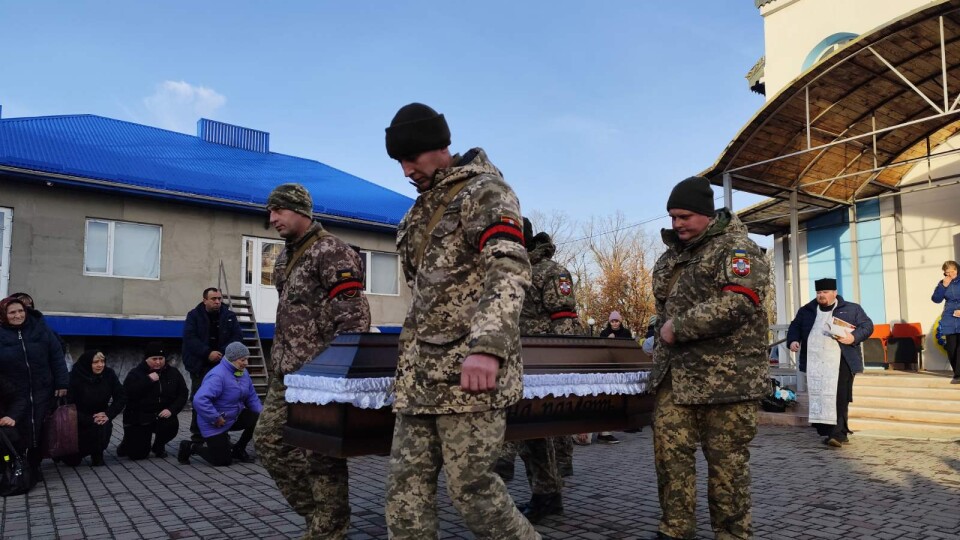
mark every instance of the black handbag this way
{"type": "Point", "coordinates": [15, 475]}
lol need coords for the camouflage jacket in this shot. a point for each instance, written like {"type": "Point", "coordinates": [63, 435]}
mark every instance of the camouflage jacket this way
{"type": "Point", "coordinates": [467, 292]}
{"type": "Point", "coordinates": [549, 306]}
{"type": "Point", "coordinates": [720, 323]}
{"type": "Point", "coordinates": [322, 297]}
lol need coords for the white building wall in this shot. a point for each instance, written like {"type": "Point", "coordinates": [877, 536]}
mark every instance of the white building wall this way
{"type": "Point", "coordinates": [792, 28]}
{"type": "Point", "coordinates": [931, 236]}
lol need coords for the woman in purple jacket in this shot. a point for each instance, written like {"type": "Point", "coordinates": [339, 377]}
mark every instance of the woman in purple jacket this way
{"type": "Point", "coordinates": [948, 292]}
{"type": "Point", "coordinates": [225, 402]}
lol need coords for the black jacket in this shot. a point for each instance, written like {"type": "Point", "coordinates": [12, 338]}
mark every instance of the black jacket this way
{"type": "Point", "coordinates": [32, 360]}
{"type": "Point", "coordinates": [196, 337]}
{"type": "Point", "coordinates": [12, 404]}
{"type": "Point", "coordinates": [146, 398]}
{"type": "Point", "coordinates": [623, 332]}
{"type": "Point", "coordinates": [95, 393]}
{"type": "Point", "coordinates": [802, 325]}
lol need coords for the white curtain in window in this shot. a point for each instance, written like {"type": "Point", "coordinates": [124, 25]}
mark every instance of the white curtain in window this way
{"type": "Point", "coordinates": [383, 273]}
{"type": "Point", "coordinates": [95, 250]}
{"type": "Point", "coordinates": [136, 250]}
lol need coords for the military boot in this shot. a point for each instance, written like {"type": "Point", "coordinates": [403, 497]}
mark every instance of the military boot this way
{"type": "Point", "coordinates": [543, 505]}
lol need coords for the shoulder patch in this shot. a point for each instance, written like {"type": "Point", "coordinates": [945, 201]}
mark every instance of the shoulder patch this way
{"type": "Point", "coordinates": [564, 285]}
{"type": "Point", "coordinates": [740, 263]}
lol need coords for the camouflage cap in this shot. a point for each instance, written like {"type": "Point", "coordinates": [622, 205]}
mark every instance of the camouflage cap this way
{"type": "Point", "coordinates": [292, 197]}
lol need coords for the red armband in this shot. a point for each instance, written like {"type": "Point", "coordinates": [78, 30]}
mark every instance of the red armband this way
{"type": "Point", "coordinates": [740, 289]}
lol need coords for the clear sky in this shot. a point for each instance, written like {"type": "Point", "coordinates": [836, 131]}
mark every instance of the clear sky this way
{"type": "Point", "coordinates": [587, 107]}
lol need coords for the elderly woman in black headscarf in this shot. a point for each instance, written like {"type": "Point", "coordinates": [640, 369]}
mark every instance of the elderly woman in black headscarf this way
{"type": "Point", "coordinates": [96, 391]}
{"type": "Point", "coordinates": [31, 358]}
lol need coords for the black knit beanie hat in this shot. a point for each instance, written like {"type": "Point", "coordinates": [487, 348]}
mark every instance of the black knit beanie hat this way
{"type": "Point", "coordinates": [693, 194]}
{"type": "Point", "coordinates": [154, 348]}
{"type": "Point", "coordinates": [415, 129]}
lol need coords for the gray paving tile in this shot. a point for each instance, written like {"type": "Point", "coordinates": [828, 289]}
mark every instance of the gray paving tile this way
{"type": "Point", "coordinates": [870, 489]}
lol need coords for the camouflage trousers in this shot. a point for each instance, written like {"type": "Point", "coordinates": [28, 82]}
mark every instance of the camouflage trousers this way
{"type": "Point", "coordinates": [724, 432]}
{"type": "Point", "coordinates": [465, 445]}
{"type": "Point", "coordinates": [316, 486]}
{"type": "Point", "coordinates": [539, 458]}
{"type": "Point", "coordinates": [563, 447]}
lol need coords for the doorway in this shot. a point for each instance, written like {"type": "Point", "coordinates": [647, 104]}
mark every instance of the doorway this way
{"type": "Point", "coordinates": [259, 254]}
{"type": "Point", "coordinates": [6, 237]}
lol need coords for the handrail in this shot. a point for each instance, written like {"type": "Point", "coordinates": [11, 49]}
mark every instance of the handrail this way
{"type": "Point", "coordinates": [222, 284]}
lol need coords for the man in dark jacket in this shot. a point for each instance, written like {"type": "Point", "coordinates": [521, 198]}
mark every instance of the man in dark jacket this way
{"type": "Point", "coordinates": [828, 332]}
{"type": "Point", "coordinates": [209, 328]}
{"type": "Point", "coordinates": [156, 393]}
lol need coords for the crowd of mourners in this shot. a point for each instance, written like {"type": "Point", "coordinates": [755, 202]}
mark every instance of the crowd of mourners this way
{"type": "Point", "coordinates": [34, 380]}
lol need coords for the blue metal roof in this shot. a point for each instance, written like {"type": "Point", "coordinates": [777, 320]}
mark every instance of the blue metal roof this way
{"type": "Point", "coordinates": [159, 163]}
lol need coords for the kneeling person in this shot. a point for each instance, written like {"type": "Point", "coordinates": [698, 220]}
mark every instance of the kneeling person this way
{"type": "Point", "coordinates": [225, 402]}
{"type": "Point", "coordinates": [156, 393]}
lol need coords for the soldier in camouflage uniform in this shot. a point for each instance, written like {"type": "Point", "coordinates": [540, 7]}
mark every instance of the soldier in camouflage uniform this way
{"type": "Point", "coordinates": [461, 250]}
{"type": "Point", "coordinates": [320, 282]}
{"type": "Point", "coordinates": [549, 307]}
{"type": "Point", "coordinates": [710, 362]}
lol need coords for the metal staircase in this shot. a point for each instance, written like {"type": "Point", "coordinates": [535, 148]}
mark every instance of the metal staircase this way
{"type": "Point", "coordinates": [242, 306]}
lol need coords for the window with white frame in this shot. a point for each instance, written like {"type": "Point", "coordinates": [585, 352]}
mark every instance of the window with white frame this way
{"type": "Point", "coordinates": [121, 249]}
{"type": "Point", "coordinates": [382, 271]}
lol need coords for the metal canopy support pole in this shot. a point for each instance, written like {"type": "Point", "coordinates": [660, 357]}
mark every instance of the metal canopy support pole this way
{"type": "Point", "coordinates": [806, 94]}
{"type": "Point", "coordinates": [901, 256]}
{"type": "Point", "coordinates": [728, 191]}
{"type": "Point", "coordinates": [854, 255]}
{"type": "Point", "coordinates": [795, 271]}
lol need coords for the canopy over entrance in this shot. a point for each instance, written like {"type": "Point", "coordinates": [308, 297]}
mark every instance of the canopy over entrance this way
{"type": "Point", "coordinates": [853, 125]}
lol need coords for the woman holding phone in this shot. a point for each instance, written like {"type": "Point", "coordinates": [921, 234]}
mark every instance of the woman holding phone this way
{"type": "Point", "coordinates": [948, 292]}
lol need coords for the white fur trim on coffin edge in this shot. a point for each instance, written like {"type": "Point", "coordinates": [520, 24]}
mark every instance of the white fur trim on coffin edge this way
{"type": "Point", "coordinates": [371, 393]}
{"type": "Point", "coordinates": [374, 393]}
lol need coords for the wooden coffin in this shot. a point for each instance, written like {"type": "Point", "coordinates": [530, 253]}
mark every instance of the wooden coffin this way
{"type": "Point", "coordinates": [345, 430]}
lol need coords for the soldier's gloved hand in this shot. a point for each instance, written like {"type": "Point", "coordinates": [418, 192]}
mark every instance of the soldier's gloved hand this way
{"type": "Point", "coordinates": [479, 373]}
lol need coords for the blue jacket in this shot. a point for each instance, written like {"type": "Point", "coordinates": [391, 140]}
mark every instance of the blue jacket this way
{"type": "Point", "coordinates": [222, 393]}
{"type": "Point", "coordinates": [196, 336]}
{"type": "Point", "coordinates": [852, 313]}
{"type": "Point", "coordinates": [31, 359]}
{"type": "Point", "coordinates": [951, 293]}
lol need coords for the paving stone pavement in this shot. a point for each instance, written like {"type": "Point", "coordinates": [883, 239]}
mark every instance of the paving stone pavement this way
{"type": "Point", "coordinates": [870, 489]}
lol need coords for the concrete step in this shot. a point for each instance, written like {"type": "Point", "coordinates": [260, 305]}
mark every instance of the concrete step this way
{"type": "Point", "coordinates": [788, 418]}
{"type": "Point", "coordinates": [904, 415]}
{"type": "Point", "coordinates": [888, 428]}
{"type": "Point", "coordinates": [914, 403]}
{"type": "Point", "coordinates": [945, 394]}
{"type": "Point", "coordinates": [917, 380]}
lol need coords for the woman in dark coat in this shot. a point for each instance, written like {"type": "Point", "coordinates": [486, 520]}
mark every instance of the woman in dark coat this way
{"type": "Point", "coordinates": [96, 391]}
{"type": "Point", "coordinates": [156, 393]}
{"type": "Point", "coordinates": [32, 360]}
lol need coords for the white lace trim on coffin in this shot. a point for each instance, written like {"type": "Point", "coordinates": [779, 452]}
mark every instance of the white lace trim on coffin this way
{"type": "Point", "coordinates": [374, 393]}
